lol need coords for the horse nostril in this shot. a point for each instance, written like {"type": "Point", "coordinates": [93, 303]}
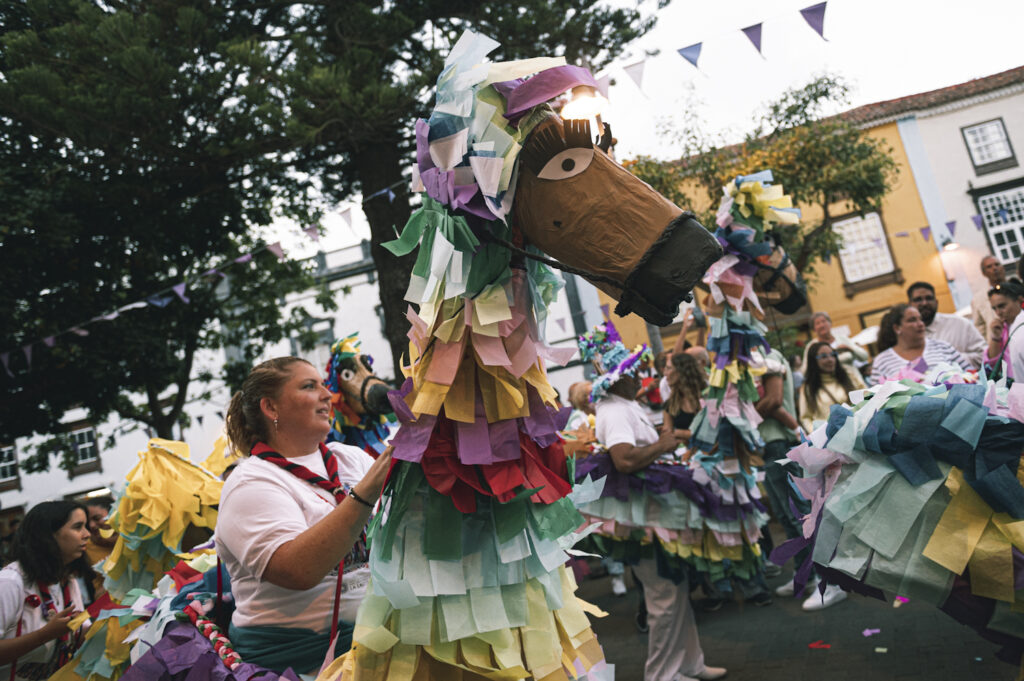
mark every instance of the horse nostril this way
{"type": "Point", "coordinates": [558, 223]}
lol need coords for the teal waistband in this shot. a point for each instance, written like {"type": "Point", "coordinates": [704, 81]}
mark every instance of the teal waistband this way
{"type": "Point", "coordinates": [278, 648]}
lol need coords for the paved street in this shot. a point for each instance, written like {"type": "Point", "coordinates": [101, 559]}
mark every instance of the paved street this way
{"type": "Point", "coordinates": [771, 643]}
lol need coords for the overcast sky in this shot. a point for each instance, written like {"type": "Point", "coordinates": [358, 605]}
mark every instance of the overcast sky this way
{"type": "Point", "coordinates": [884, 48]}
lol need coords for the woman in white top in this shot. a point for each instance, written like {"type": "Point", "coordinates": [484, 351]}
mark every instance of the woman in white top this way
{"type": "Point", "coordinates": [292, 516]}
{"type": "Point", "coordinates": [39, 592]}
{"type": "Point", "coordinates": [901, 335]}
{"type": "Point", "coordinates": [827, 382]}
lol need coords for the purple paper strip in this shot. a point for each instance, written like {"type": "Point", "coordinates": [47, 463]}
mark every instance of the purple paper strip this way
{"type": "Point", "coordinates": [423, 159]}
{"type": "Point", "coordinates": [412, 439]}
{"type": "Point", "coordinates": [524, 95]}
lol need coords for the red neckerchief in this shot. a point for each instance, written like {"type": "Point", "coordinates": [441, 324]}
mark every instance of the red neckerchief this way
{"type": "Point", "coordinates": [332, 485]}
{"type": "Point", "coordinates": [64, 649]}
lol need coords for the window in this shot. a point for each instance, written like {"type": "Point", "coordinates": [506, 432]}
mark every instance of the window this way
{"type": "Point", "coordinates": [865, 257]}
{"type": "Point", "coordinates": [9, 468]}
{"type": "Point", "coordinates": [1003, 216]}
{"type": "Point", "coordinates": [989, 146]}
{"type": "Point", "coordinates": [83, 442]}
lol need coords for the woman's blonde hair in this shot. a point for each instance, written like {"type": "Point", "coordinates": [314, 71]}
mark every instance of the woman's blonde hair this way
{"type": "Point", "coordinates": [246, 424]}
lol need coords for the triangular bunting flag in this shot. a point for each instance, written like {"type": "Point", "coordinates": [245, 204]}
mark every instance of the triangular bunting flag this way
{"type": "Point", "coordinates": [79, 331]}
{"type": "Point", "coordinates": [902, 234]}
{"type": "Point", "coordinates": [605, 311]}
{"type": "Point", "coordinates": [243, 258]}
{"type": "Point", "coordinates": [1004, 215]}
{"type": "Point", "coordinates": [212, 271]}
{"type": "Point", "coordinates": [346, 216]}
{"type": "Point", "coordinates": [878, 242]}
{"type": "Point", "coordinates": [602, 85]}
{"type": "Point", "coordinates": [50, 341]}
{"type": "Point", "coordinates": [391, 196]}
{"type": "Point", "coordinates": [3, 358]}
{"type": "Point", "coordinates": [561, 324]}
{"type": "Point", "coordinates": [691, 53]}
{"type": "Point", "coordinates": [28, 355]}
{"type": "Point", "coordinates": [753, 34]}
{"type": "Point", "coordinates": [160, 301]}
{"type": "Point", "coordinates": [179, 289]}
{"type": "Point", "coordinates": [926, 233]}
{"type": "Point", "coordinates": [276, 249]}
{"type": "Point", "coordinates": [815, 18]}
{"type": "Point", "coordinates": [979, 222]}
{"type": "Point", "coordinates": [312, 232]}
{"type": "Point", "coordinates": [951, 226]}
{"type": "Point", "coordinates": [636, 73]}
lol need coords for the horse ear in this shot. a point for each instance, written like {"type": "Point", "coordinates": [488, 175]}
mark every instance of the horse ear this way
{"type": "Point", "coordinates": [606, 141]}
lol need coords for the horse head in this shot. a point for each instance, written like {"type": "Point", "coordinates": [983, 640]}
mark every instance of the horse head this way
{"type": "Point", "coordinates": [356, 391]}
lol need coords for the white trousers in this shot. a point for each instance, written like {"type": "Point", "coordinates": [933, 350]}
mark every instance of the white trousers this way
{"type": "Point", "coordinates": [673, 646]}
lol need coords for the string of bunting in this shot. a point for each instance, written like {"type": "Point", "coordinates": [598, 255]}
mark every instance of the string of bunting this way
{"type": "Point", "coordinates": [814, 15]}
{"type": "Point", "coordinates": [167, 295]}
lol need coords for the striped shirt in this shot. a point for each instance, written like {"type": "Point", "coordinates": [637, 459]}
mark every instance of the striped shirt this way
{"type": "Point", "coordinates": [887, 364]}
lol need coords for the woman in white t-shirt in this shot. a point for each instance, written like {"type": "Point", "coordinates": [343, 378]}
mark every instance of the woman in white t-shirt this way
{"type": "Point", "coordinates": [39, 592]}
{"type": "Point", "coordinates": [291, 515]}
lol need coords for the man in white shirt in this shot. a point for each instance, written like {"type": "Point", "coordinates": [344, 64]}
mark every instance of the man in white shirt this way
{"type": "Point", "coordinates": [981, 310]}
{"type": "Point", "coordinates": [955, 330]}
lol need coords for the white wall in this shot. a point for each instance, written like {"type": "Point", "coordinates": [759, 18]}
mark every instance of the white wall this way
{"type": "Point", "coordinates": [954, 173]}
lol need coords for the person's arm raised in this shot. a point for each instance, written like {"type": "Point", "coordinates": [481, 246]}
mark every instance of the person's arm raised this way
{"type": "Point", "coordinates": [304, 561]}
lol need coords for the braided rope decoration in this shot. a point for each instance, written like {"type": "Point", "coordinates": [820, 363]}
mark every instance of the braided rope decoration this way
{"type": "Point", "coordinates": [196, 612]}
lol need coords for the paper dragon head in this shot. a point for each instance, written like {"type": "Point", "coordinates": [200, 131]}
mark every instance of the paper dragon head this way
{"type": "Point", "coordinates": [604, 348]}
{"type": "Point", "coordinates": [498, 165]}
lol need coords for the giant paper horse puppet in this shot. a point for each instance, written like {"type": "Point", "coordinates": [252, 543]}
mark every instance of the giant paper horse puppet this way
{"type": "Point", "coordinates": [701, 508]}
{"type": "Point", "coordinates": [359, 398]}
{"type": "Point", "coordinates": [917, 492]}
{"type": "Point", "coordinates": [467, 555]}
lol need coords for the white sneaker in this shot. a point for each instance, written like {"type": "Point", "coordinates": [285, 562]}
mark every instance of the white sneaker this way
{"type": "Point", "coordinates": [709, 674]}
{"type": "Point", "coordinates": [788, 589]}
{"type": "Point", "coordinates": [819, 601]}
{"type": "Point", "coordinates": [618, 585]}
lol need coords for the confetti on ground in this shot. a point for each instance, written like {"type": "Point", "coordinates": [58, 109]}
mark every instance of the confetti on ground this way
{"type": "Point", "coordinates": [818, 645]}
{"type": "Point", "coordinates": [871, 632]}
{"type": "Point", "coordinates": [900, 600]}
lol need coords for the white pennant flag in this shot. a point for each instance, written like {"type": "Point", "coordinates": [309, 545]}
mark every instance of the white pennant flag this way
{"type": "Point", "coordinates": [636, 73]}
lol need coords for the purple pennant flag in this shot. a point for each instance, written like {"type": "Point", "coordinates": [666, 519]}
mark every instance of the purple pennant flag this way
{"type": "Point", "coordinates": [753, 33]}
{"type": "Point", "coordinates": [212, 271]}
{"type": "Point", "coordinates": [605, 311]}
{"type": "Point", "coordinates": [878, 242]}
{"type": "Point", "coordinates": [243, 258]}
{"type": "Point", "coordinates": [312, 232]}
{"type": "Point", "coordinates": [179, 289]}
{"type": "Point", "coordinates": [926, 233]}
{"type": "Point", "coordinates": [4, 356]}
{"type": "Point", "coordinates": [1004, 215]}
{"type": "Point", "coordinates": [691, 53]}
{"type": "Point", "coordinates": [561, 324]}
{"type": "Point", "coordinates": [276, 249]}
{"type": "Point", "coordinates": [979, 222]}
{"type": "Point", "coordinates": [815, 18]}
{"type": "Point", "coordinates": [951, 226]}
{"type": "Point", "coordinates": [902, 234]}
{"type": "Point", "coordinates": [50, 341]}
{"type": "Point", "coordinates": [159, 301]}
{"type": "Point", "coordinates": [28, 355]}
{"type": "Point", "coordinates": [391, 196]}
{"type": "Point", "coordinates": [79, 331]}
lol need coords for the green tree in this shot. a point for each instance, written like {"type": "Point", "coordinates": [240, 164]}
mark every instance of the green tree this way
{"type": "Point", "coordinates": [141, 144]}
{"type": "Point", "coordinates": [822, 161]}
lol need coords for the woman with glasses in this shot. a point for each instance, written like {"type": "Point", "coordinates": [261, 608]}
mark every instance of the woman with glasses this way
{"type": "Point", "coordinates": [826, 382]}
{"type": "Point", "coordinates": [1006, 299]}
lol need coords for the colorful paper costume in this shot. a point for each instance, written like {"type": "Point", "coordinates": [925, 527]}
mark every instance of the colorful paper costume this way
{"type": "Point", "coordinates": [467, 556]}
{"type": "Point", "coordinates": [702, 510]}
{"type": "Point", "coordinates": [362, 413]}
{"type": "Point", "coordinates": [917, 490]}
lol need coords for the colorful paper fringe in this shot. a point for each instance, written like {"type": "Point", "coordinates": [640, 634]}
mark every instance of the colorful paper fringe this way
{"type": "Point", "coordinates": [918, 490]}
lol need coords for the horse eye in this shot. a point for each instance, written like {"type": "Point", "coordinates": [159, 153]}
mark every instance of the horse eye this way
{"type": "Point", "coordinates": [347, 374]}
{"type": "Point", "coordinates": [567, 163]}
